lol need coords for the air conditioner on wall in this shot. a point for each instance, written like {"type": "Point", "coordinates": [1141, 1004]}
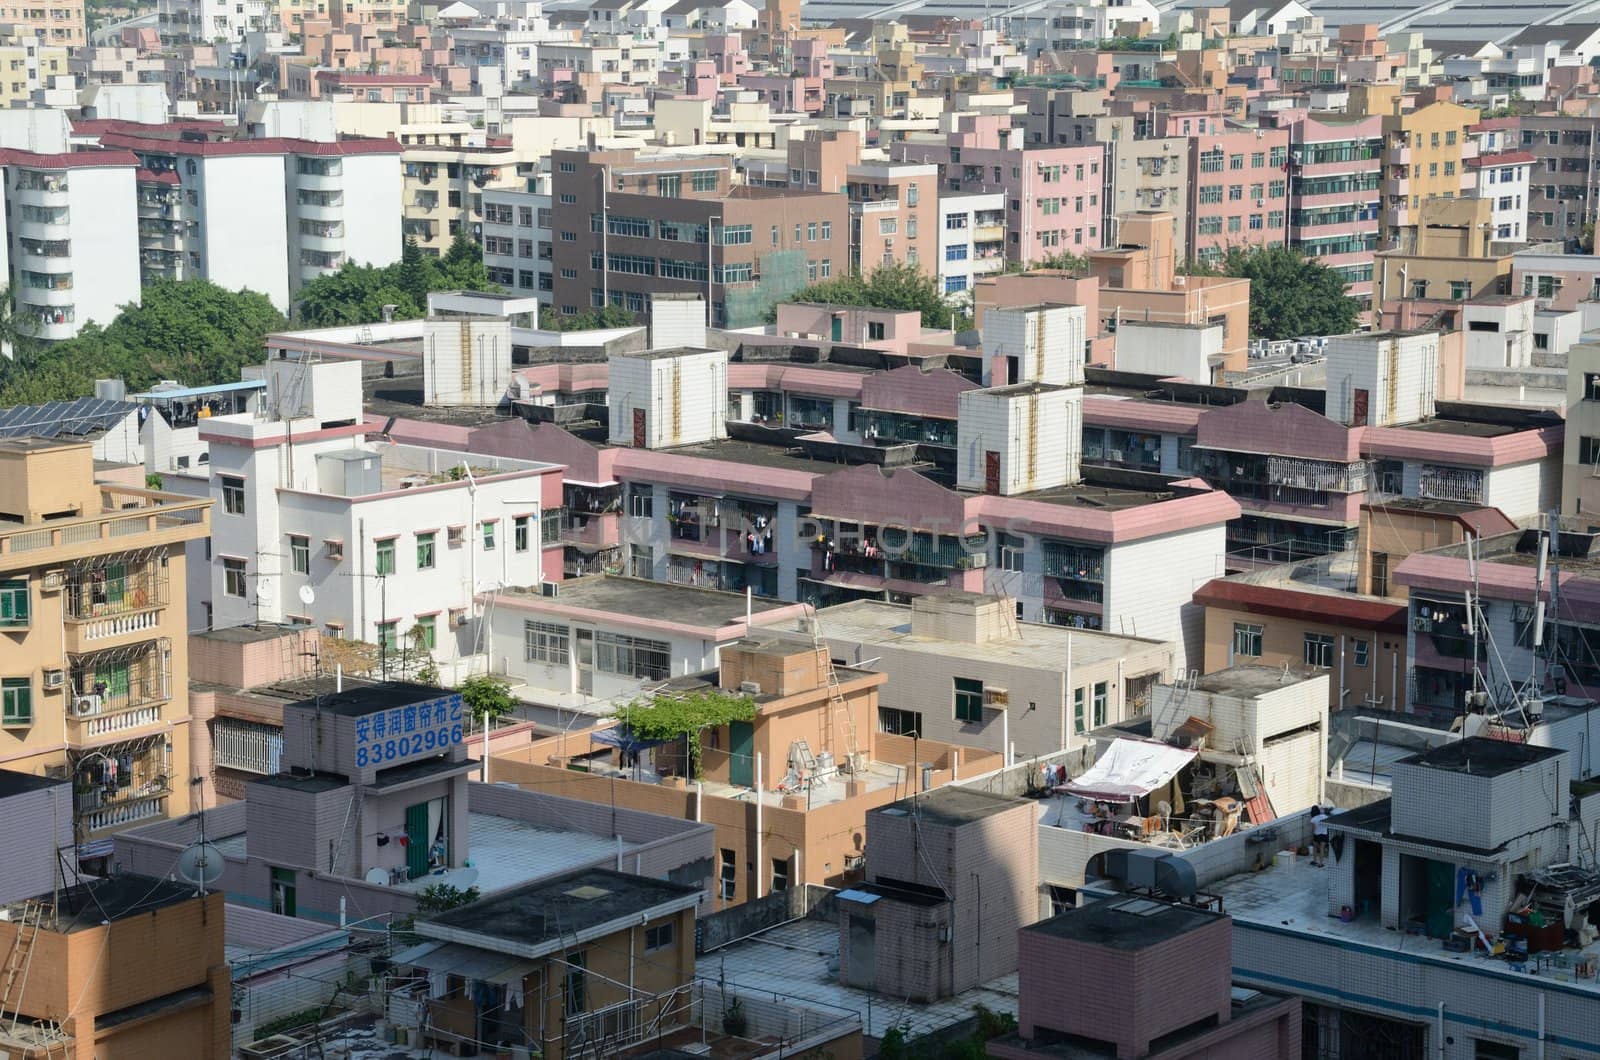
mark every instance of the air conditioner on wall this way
{"type": "Point", "coordinates": [84, 706]}
{"type": "Point", "coordinates": [55, 678]}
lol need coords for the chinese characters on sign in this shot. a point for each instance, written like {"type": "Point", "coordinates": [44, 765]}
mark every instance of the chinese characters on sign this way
{"type": "Point", "coordinates": [390, 736]}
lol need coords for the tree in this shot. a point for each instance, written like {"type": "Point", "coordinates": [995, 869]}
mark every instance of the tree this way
{"type": "Point", "coordinates": [439, 898]}
{"type": "Point", "coordinates": [683, 716]}
{"type": "Point", "coordinates": [191, 330]}
{"type": "Point", "coordinates": [1064, 261]}
{"type": "Point", "coordinates": [357, 294]}
{"type": "Point", "coordinates": [1290, 295]}
{"type": "Point", "coordinates": [900, 287]}
{"type": "Point", "coordinates": [610, 316]}
{"type": "Point", "coordinates": [487, 696]}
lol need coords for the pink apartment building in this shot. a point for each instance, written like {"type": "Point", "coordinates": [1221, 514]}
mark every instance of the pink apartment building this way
{"type": "Point", "coordinates": [1335, 175]}
{"type": "Point", "coordinates": [1238, 189]}
{"type": "Point", "coordinates": [1052, 193]}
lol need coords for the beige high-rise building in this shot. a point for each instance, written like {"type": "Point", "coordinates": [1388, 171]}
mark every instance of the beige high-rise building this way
{"type": "Point", "coordinates": [55, 22]}
{"type": "Point", "coordinates": [93, 640]}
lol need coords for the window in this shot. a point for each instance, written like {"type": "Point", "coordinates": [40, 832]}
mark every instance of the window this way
{"type": "Point", "coordinates": [427, 632]}
{"type": "Point", "coordinates": [384, 563]}
{"type": "Point", "coordinates": [519, 533]}
{"type": "Point", "coordinates": [669, 186]}
{"type": "Point", "coordinates": [232, 495]}
{"type": "Point", "coordinates": [574, 992]}
{"type": "Point", "coordinates": [1380, 574]}
{"type": "Point", "coordinates": [425, 550]}
{"type": "Point", "coordinates": [1361, 647]}
{"type": "Point", "coordinates": [900, 722]}
{"type": "Point", "coordinates": [1247, 640]}
{"type": "Point", "coordinates": [1012, 550]}
{"type": "Point", "coordinates": [1099, 703]}
{"type": "Point", "coordinates": [969, 699]}
{"type": "Point", "coordinates": [661, 935]}
{"type": "Point", "coordinates": [544, 642]}
{"type": "Point", "coordinates": [641, 502]}
{"type": "Point", "coordinates": [14, 603]}
{"type": "Point", "coordinates": [1319, 650]}
{"type": "Point", "coordinates": [299, 554]}
{"type": "Point", "coordinates": [16, 701]}
{"type": "Point", "coordinates": [550, 525]}
{"type": "Point", "coordinates": [827, 230]}
{"type": "Point", "coordinates": [388, 637]}
{"type": "Point", "coordinates": [1077, 710]}
{"type": "Point", "coordinates": [811, 232]}
{"type": "Point", "coordinates": [617, 653]}
{"type": "Point", "coordinates": [488, 535]}
{"type": "Point", "coordinates": [780, 874]}
{"type": "Point", "coordinates": [728, 875]}
{"type": "Point", "coordinates": [704, 180]}
{"type": "Point", "coordinates": [875, 330]}
{"type": "Point", "coordinates": [1591, 386]}
{"type": "Point", "coordinates": [1486, 1050]}
{"type": "Point", "coordinates": [233, 577]}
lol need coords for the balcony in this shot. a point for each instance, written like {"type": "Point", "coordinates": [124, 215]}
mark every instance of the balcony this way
{"type": "Point", "coordinates": [247, 746]}
{"type": "Point", "coordinates": [177, 518]}
{"type": "Point", "coordinates": [989, 233]}
{"type": "Point", "coordinates": [123, 812]}
{"type": "Point", "coordinates": [114, 681]}
{"type": "Point", "coordinates": [120, 783]}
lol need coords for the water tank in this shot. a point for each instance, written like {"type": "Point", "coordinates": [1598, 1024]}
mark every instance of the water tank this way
{"type": "Point", "coordinates": [1152, 870]}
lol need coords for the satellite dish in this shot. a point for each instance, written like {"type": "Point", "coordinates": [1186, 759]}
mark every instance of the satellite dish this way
{"type": "Point", "coordinates": [464, 878]}
{"type": "Point", "coordinates": [308, 595]}
{"type": "Point", "coordinates": [378, 876]}
{"type": "Point", "coordinates": [263, 590]}
{"type": "Point", "coordinates": [201, 864]}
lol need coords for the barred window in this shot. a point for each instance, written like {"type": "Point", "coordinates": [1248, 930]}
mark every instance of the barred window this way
{"type": "Point", "coordinates": [544, 642]}
{"type": "Point", "coordinates": [617, 653]}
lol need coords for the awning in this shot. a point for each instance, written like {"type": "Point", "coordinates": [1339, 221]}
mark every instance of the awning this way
{"type": "Point", "coordinates": [621, 738]}
{"type": "Point", "coordinates": [1129, 769]}
{"type": "Point", "coordinates": [469, 962]}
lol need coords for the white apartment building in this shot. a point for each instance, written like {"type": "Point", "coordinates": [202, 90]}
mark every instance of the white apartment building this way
{"type": "Point", "coordinates": [264, 214]}
{"type": "Point", "coordinates": [320, 524]}
{"type": "Point", "coordinates": [972, 240]}
{"type": "Point", "coordinates": [626, 59]}
{"type": "Point", "coordinates": [207, 21]}
{"type": "Point", "coordinates": [73, 242]}
{"type": "Point", "coordinates": [1504, 180]}
{"type": "Point", "coordinates": [517, 240]}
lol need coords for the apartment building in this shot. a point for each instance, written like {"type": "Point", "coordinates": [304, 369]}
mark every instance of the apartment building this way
{"type": "Point", "coordinates": [27, 65]}
{"type": "Point", "coordinates": [518, 239]}
{"type": "Point", "coordinates": [96, 679]}
{"type": "Point", "coordinates": [1238, 190]}
{"type": "Point", "coordinates": [175, 1002]}
{"type": "Point", "coordinates": [1580, 463]}
{"type": "Point", "coordinates": [1425, 155]}
{"type": "Point", "coordinates": [73, 238]}
{"type": "Point", "coordinates": [1052, 194]}
{"type": "Point", "coordinates": [202, 211]}
{"type": "Point", "coordinates": [211, 21]}
{"type": "Point", "coordinates": [321, 525]}
{"type": "Point", "coordinates": [972, 240]}
{"type": "Point", "coordinates": [893, 209]}
{"type": "Point", "coordinates": [59, 23]}
{"type": "Point", "coordinates": [444, 188]}
{"type": "Point", "coordinates": [630, 225]}
{"type": "Point", "coordinates": [1335, 196]}
{"type": "Point", "coordinates": [1564, 182]}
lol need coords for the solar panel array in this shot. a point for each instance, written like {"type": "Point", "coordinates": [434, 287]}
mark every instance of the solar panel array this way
{"type": "Point", "coordinates": [57, 419]}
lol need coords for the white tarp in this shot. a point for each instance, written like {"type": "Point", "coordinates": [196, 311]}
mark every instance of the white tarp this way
{"type": "Point", "coordinates": [1128, 769]}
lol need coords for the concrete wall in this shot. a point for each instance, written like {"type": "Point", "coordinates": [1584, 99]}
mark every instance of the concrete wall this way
{"type": "Point", "coordinates": [33, 826]}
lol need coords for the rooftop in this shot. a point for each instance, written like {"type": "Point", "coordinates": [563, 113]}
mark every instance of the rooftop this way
{"type": "Point", "coordinates": [1126, 923]}
{"type": "Point", "coordinates": [548, 912]}
{"type": "Point", "coordinates": [360, 700]}
{"type": "Point", "coordinates": [13, 782]}
{"type": "Point", "coordinates": [1482, 756]}
{"type": "Point", "coordinates": [254, 633]}
{"type": "Point", "coordinates": [1249, 681]}
{"type": "Point", "coordinates": [90, 904]}
{"type": "Point", "coordinates": [952, 805]}
{"type": "Point", "coordinates": [641, 598]}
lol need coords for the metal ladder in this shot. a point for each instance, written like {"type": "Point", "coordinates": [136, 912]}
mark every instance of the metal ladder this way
{"type": "Point", "coordinates": [852, 761]}
{"type": "Point", "coordinates": [20, 959]}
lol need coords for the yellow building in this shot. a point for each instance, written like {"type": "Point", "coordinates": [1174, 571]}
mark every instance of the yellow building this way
{"type": "Point", "coordinates": [56, 22]}
{"type": "Point", "coordinates": [27, 64]}
{"type": "Point", "coordinates": [93, 639]}
{"type": "Point", "coordinates": [1424, 157]}
{"type": "Point", "coordinates": [443, 192]}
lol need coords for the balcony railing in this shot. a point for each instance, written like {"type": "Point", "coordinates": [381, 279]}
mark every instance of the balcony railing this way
{"type": "Point", "coordinates": [246, 745]}
{"type": "Point", "coordinates": [123, 812]}
{"type": "Point", "coordinates": [99, 727]}
{"type": "Point", "coordinates": [154, 512]}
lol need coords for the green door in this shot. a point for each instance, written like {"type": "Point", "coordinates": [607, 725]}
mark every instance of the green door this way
{"type": "Point", "coordinates": [838, 329]}
{"type": "Point", "coordinates": [741, 753]}
{"type": "Point", "coordinates": [1440, 921]}
{"type": "Point", "coordinates": [417, 840]}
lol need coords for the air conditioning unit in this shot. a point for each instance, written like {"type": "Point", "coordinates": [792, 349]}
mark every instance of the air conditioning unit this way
{"type": "Point", "coordinates": [53, 581]}
{"type": "Point", "coordinates": [456, 535]}
{"type": "Point", "coordinates": [334, 550]}
{"type": "Point", "coordinates": [459, 620]}
{"type": "Point", "coordinates": [855, 862]}
{"type": "Point", "coordinates": [55, 679]}
{"type": "Point", "coordinates": [550, 589]}
{"type": "Point", "coordinates": [1261, 202]}
{"type": "Point", "coordinates": [84, 706]}
{"type": "Point", "coordinates": [996, 697]}
{"type": "Point", "coordinates": [750, 688]}
{"type": "Point", "coordinates": [1421, 624]}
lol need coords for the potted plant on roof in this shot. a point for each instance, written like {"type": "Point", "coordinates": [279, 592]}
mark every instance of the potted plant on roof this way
{"type": "Point", "coordinates": [734, 1022]}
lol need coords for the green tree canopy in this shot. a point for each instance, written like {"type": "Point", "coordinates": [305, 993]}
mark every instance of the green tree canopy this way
{"type": "Point", "coordinates": [356, 294]}
{"type": "Point", "coordinates": [610, 316]}
{"type": "Point", "coordinates": [901, 287]}
{"type": "Point", "coordinates": [1290, 295]}
{"type": "Point", "coordinates": [193, 331]}
{"type": "Point", "coordinates": [674, 716]}
{"type": "Point", "coordinates": [487, 696]}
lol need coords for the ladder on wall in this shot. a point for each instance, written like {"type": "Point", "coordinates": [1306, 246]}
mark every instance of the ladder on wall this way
{"type": "Point", "coordinates": [20, 959]}
{"type": "Point", "coordinates": [840, 723]}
